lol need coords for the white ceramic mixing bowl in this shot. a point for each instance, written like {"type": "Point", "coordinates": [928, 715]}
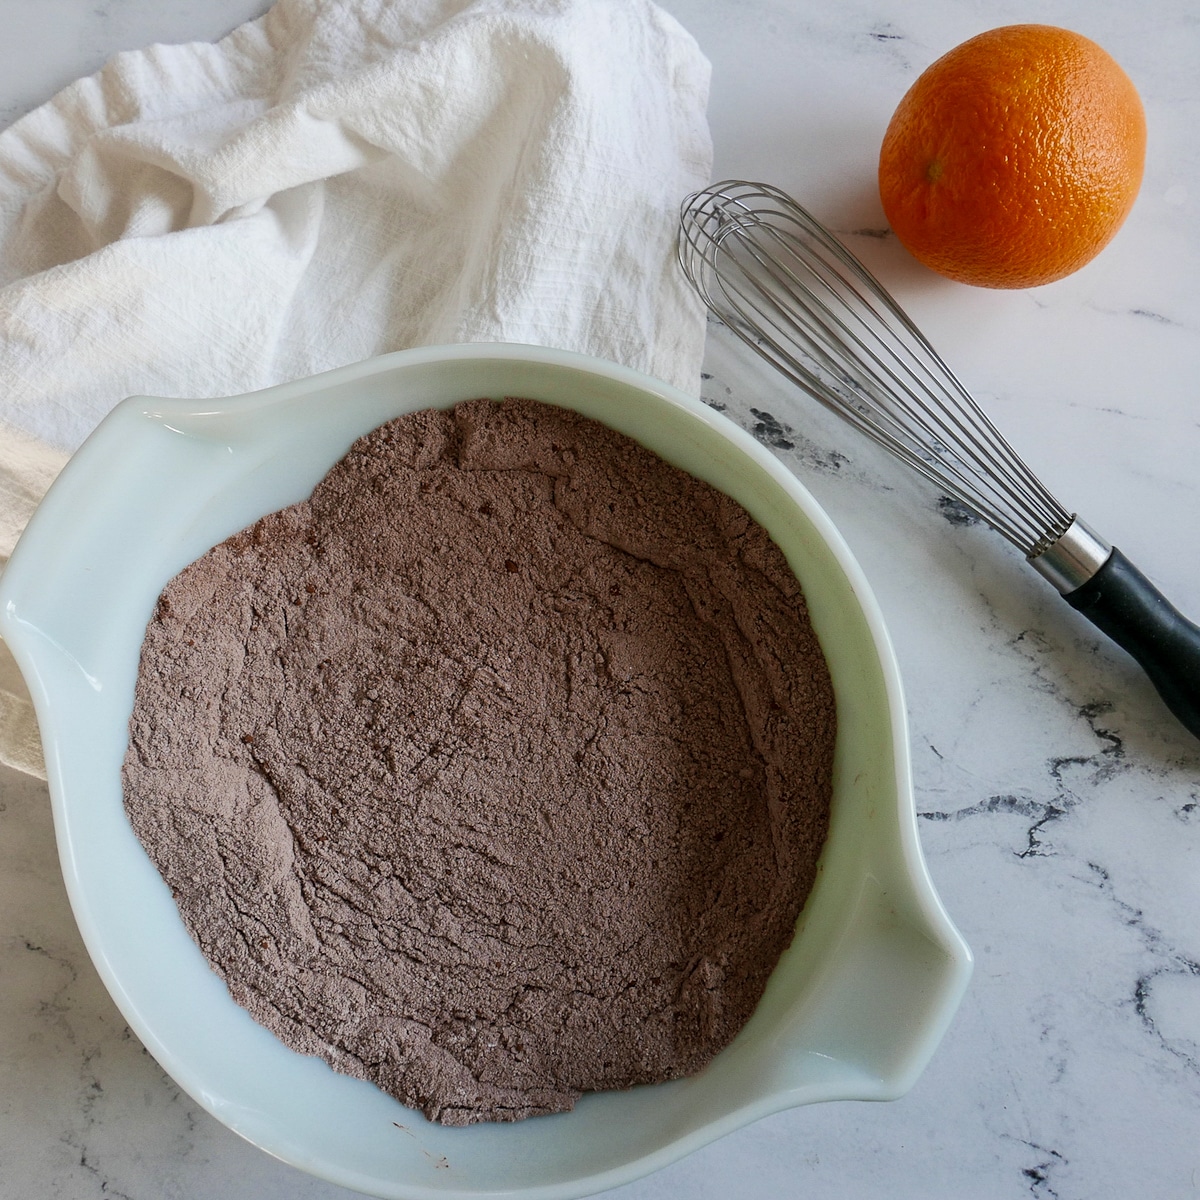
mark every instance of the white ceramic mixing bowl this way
{"type": "Point", "coordinates": [853, 1011]}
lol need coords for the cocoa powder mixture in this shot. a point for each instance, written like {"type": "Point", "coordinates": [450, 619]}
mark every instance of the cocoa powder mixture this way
{"type": "Point", "coordinates": [497, 771]}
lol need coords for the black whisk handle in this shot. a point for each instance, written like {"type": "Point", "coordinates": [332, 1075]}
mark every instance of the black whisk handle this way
{"type": "Point", "coordinates": [1121, 602]}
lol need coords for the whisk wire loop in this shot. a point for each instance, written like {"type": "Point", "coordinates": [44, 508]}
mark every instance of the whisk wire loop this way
{"type": "Point", "coordinates": [788, 288]}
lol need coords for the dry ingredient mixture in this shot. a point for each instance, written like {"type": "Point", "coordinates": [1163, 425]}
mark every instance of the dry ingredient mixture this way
{"type": "Point", "coordinates": [494, 773]}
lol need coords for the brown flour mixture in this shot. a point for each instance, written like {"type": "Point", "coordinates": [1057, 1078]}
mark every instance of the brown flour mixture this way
{"type": "Point", "coordinates": [494, 773]}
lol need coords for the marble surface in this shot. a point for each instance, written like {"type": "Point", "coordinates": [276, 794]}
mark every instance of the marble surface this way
{"type": "Point", "coordinates": [1059, 803]}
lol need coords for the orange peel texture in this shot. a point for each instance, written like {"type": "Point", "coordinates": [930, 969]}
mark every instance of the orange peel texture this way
{"type": "Point", "coordinates": [1015, 158]}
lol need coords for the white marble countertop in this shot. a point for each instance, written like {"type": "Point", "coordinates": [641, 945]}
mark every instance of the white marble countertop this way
{"type": "Point", "coordinates": [1060, 804]}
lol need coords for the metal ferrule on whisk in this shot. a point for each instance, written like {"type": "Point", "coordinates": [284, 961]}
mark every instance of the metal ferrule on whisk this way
{"type": "Point", "coordinates": [1074, 558]}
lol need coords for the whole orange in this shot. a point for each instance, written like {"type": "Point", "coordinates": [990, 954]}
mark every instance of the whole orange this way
{"type": "Point", "coordinates": [1014, 158]}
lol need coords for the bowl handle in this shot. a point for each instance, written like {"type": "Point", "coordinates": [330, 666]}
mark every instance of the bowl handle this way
{"type": "Point", "coordinates": [899, 971]}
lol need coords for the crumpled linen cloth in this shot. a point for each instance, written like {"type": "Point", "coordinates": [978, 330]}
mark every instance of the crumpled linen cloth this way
{"type": "Point", "coordinates": [335, 180]}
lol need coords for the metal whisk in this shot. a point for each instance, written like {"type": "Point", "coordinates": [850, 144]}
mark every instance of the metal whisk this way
{"type": "Point", "coordinates": [788, 288]}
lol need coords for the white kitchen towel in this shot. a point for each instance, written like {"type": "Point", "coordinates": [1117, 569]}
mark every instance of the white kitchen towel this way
{"type": "Point", "coordinates": [338, 179]}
